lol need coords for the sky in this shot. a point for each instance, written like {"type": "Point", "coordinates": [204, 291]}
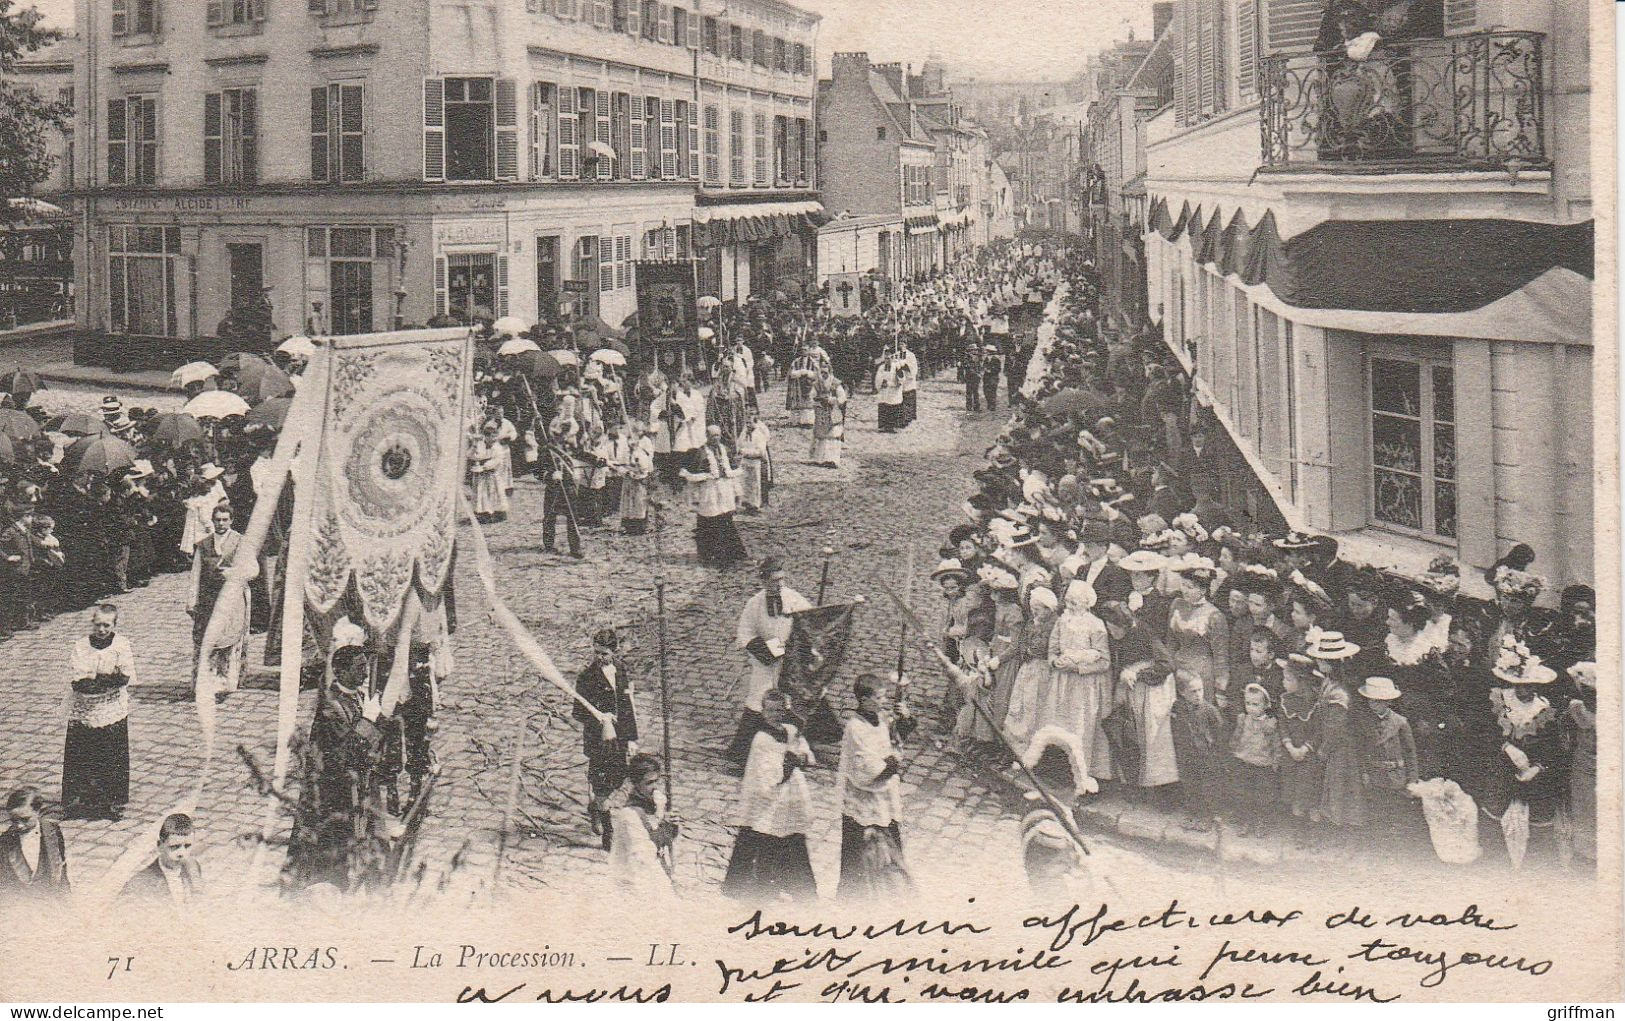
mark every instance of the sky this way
{"type": "Point", "coordinates": [1012, 40]}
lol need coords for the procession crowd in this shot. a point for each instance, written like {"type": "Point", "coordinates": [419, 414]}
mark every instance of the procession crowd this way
{"type": "Point", "coordinates": [1110, 623]}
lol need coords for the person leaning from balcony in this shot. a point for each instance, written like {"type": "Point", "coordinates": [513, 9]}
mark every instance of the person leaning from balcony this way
{"type": "Point", "coordinates": [1368, 91]}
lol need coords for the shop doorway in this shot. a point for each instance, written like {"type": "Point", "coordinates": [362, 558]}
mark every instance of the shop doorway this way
{"type": "Point", "coordinates": [247, 268]}
{"type": "Point", "coordinates": [547, 277]}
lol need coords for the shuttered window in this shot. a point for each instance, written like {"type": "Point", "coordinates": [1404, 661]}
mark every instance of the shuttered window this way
{"type": "Point", "coordinates": [132, 140]}
{"type": "Point", "coordinates": [691, 116]}
{"type": "Point", "coordinates": [1290, 26]}
{"type": "Point", "coordinates": [668, 140]}
{"type": "Point", "coordinates": [135, 17]}
{"type": "Point", "coordinates": [640, 150]}
{"type": "Point", "coordinates": [336, 133]}
{"type": "Point", "coordinates": [604, 133]}
{"type": "Point", "coordinates": [713, 145]}
{"type": "Point", "coordinates": [234, 12]}
{"type": "Point", "coordinates": [1202, 83]}
{"type": "Point", "coordinates": [230, 149]}
{"type": "Point", "coordinates": [736, 147]}
{"type": "Point", "coordinates": [569, 135]}
{"type": "Point", "coordinates": [507, 129]}
{"type": "Point", "coordinates": [621, 128]}
{"type": "Point", "coordinates": [1247, 50]}
{"type": "Point", "coordinates": [651, 134]}
{"type": "Point", "coordinates": [1460, 16]}
{"type": "Point", "coordinates": [542, 96]}
{"type": "Point", "coordinates": [759, 136]}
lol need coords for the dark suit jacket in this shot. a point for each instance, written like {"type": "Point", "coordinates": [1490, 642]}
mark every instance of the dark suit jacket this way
{"type": "Point", "coordinates": [50, 878]}
{"type": "Point", "coordinates": [149, 884]}
{"type": "Point", "coordinates": [615, 700]}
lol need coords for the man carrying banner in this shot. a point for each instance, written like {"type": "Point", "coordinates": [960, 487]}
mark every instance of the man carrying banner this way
{"type": "Point", "coordinates": [764, 629]}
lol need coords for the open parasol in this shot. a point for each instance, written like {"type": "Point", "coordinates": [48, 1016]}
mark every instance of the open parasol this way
{"type": "Point", "coordinates": [267, 383]}
{"type": "Point", "coordinates": [537, 363]}
{"type": "Point", "coordinates": [192, 372]}
{"type": "Point", "coordinates": [19, 382]}
{"type": "Point", "coordinates": [272, 412]}
{"type": "Point", "coordinates": [564, 357]}
{"type": "Point", "coordinates": [18, 425]}
{"type": "Point", "coordinates": [175, 428]}
{"type": "Point", "coordinates": [99, 455]}
{"type": "Point", "coordinates": [77, 423]}
{"type": "Point", "coordinates": [510, 325]}
{"type": "Point", "coordinates": [297, 347]}
{"type": "Point", "coordinates": [708, 301]}
{"type": "Point", "coordinates": [215, 404]}
{"type": "Point", "coordinates": [517, 346]}
{"type": "Point", "coordinates": [609, 356]}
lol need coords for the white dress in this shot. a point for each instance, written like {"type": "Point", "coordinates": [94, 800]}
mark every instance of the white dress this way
{"type": "Point", "coordinates": [634, 861]}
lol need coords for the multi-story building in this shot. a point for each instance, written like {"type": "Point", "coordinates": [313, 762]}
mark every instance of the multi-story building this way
{"type": "Point", "coordinates": [876, 165]}
{"type": "Point", "coordinates": [1378, 272]}
{"type": "Point", "coordinates": [367, 163]}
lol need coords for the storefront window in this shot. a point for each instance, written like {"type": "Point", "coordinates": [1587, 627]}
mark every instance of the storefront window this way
{"type": "Point", "coordinates": [1413, 445]}
{"type": "Point", "coordinates": [471, 287]}
{"type": "Point", "coordinates": [141, 280]}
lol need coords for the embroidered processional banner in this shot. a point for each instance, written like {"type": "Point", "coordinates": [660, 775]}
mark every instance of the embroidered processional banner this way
{"type": "Point", "coordinates": [388, 467]}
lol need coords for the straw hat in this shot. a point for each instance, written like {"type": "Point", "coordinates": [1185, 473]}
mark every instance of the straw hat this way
{"type": "Point", "coordinates": [1143, 560]}
{"type": "Point", "coordinates": [950, 568]}
{"type": "Point", "coordinates": [1515, 664]}
{"type": "Point", "coordinates": [1296, 540]}
{"type": "Point", "coordinates": [1329, 645]}
{"type": "Point", "coordinates": [1379, 689]}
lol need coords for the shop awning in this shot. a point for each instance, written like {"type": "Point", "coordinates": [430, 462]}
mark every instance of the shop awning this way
{"type": "Point", "coordinates": [921, 224]}
{"type": "Point", "coordinates": [751, 222]}
{"type": "Point", "coordinates": [1489, 278]}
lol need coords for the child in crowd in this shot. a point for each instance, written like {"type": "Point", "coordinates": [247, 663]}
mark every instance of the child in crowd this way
{"type": "Point", "coordinates": [1255, 750]}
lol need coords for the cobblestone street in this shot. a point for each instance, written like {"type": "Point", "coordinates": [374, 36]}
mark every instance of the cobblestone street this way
{"type": "Point", "coordinates": [888, 501]}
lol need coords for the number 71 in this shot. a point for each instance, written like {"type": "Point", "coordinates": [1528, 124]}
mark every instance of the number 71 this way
{"type": "Point", "coordinates": [113, 965]}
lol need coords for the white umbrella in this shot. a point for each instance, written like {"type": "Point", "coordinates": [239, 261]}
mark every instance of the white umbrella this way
{"type": "Point", "coordinates": [216, 404]}
{"type": "Point", "coordinates": [709, 301]}
{"type": "Point", "coordinates": [706, 333]}
{"type": "Point", "coordinates": [511, 325]}
{"type": "Point", "coordinates": [192, 372]}
{"type": "Point", "coordinates": [516, 346]}
{"type": "Point", "coordinates": [564, 357]}
{"type": "Point", "coordinates": [609, 356]}
{"type": "Point", "coordinates": [297, 347]}
{"type": "Point", "coordinates": [601, 149]}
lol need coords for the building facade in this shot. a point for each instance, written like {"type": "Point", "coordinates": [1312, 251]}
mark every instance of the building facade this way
{"type": "Point", "coordinates": [36, 248]}
{"type": "Point", "coordinates": [1381, 283]}
{"type": "Point", "coordinates": [876, 164]}
{"type": "Point", "coordinates": [363, 164]}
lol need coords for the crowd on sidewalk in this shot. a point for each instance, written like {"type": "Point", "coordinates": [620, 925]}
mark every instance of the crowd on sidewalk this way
{"type": "Point", "coordinates": [1109, 622]}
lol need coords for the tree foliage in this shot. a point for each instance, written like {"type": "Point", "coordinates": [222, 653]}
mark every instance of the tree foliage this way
{"type": "Point", "coordinates": [27, 119]}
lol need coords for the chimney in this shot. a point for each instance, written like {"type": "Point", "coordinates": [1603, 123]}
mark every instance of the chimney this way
{"type": "Point", "coordinates": [848, 66]}
{"type": "Point", "coordinates": [893, 73]}
{"type": "Point", "coordinates": [1162, 15]}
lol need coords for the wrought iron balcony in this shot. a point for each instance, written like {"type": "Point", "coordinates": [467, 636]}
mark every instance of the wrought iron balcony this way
{"type": "Point", "coordinates": [1465, 102]}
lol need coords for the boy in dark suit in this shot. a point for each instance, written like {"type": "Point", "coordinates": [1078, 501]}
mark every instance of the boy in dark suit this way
{"type": "Point", "coordinates": [606, 685]}
{"type": "Point", "coordinates": [33, 857]}
{"type": "Point", "coordinates": [174, 877]}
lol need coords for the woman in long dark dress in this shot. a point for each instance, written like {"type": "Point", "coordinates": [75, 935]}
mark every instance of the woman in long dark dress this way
{"type": "Point", "coordinates": [96, 755]}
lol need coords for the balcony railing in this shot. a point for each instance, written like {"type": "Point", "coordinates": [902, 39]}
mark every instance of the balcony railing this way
{"type": "Point", "coordinates": [1471, 101]}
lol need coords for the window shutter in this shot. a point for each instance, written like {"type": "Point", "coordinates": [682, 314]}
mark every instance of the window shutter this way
{"type": "Point", "coordinates": [1189, 76]}
{"type": "Point", "coordinates": [1460, 16]}
{"type": "Point", "coordinates": [1206, 72]}
{"type": "Point", "coordinates": [121, 17]}
{"type": "Point", "coordinates": [434, 129]}
{"type": "Point", "coordinates": [214, 13]}
{"type": "Point", "coordinates": [691, 31]}
{"type": "Point", "coordinates": [350, 132]}
{"type": "Point", "coordinates": [606, 167]}
{"type": "Point", "coordinates": [507, 128]}
{"type": "Point", "coordinates": [440, 285]}
{"type": "Point", "coordinates": [250, 140]}
{"type": "Point", "coordinates": [1247, 49]}
{"type": "Point", "coordinates": [118, 155]}
{"type": "Point", "coordinates": [502, 285]}
{"type": "Point", "coordinates": [634, 18]}
{"type": "Point", "coordinates": [318, 134]}
{"type": "Point", "coordinates": [606, 263]}
{"type": "Point", "coordinates": [693, 142]}
{"type": "Point", "coordinates": [759, 131]}
{"type": "Point", "coordinates": [541, 131]}
{"type": "Point", "coordinates": [668, 140]}
{"type": "Point", "coordinates": [639, 154]}
{"type": "Point", "coordinates": [1290, 26]}
{"type": "Point", "coordinates": [145, 112]}
{"type": "Point", "coordinates": [567, 9]}
{"type": "Point", "coordinates": [713, 146]}
{"type": "Point", "coordinates": [623, 261]}
{"type": "Point", "coordinates": [211, 138]}
{"type": "Point", "coordinates": [569, 135]}
{"type": "Point", "coordinates": [665, 23]}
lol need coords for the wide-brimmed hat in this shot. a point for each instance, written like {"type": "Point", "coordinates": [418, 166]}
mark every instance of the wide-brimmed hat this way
{"type": "Point", "coordinates": [1379, 689]}
{"type": "Point", "coordinates": [1296, 541]}
{"type": "Point", "coordinates": [210, 471]}
{"type": "Point", "coordinates": [997, 576]}
{"type": "Point", "coordinates": [1329, 646]}
{"type": "Point", "coordinates": [111, 406]}
{"type": "Point", "coordinates": [1584, 674]}
{"type": "Point", "coordinates": [1515, 664]}
{"type": "Point", "coordinates": [950, 567]}
{"type": "Point", "coordinates": [1143, 560]}
{"type": "Point", "coordinates": [1509, 581]}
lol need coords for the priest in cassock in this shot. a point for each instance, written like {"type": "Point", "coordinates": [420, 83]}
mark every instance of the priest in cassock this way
{"type": "Point", "coordinates": [711, 475]}
{"type": "Point", "coordinates": [764, 628]}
